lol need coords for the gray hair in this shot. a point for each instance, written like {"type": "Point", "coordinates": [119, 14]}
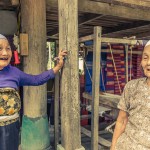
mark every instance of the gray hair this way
{"type": "Point", "coordinates": [147, 44]}
{"type": "Point", "coordinates": [2, 37]}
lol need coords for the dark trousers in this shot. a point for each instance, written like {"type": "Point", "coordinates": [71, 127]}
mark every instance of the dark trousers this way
{"type": "Point", "coordinates": [9, 136]}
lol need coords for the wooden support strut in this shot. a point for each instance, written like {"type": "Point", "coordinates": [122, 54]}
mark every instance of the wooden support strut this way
{"type": "Point", "coordinates": [105, 99]}
{"type": "Point", "coordinates": [101, 140]}
{"type": "Point", "coordinates": [115, 51]}
{"type": "Point", "coordinates": [110, 40]}
{"type": "Point", "coordinates": [95, 87]}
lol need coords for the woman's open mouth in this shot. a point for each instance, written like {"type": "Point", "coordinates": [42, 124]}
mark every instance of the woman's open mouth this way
{"type": "Point", "coordinates": [4, 58]}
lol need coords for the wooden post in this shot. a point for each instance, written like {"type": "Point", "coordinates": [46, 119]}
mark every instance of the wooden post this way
{"type": "Point", "coordinates": [95, 87]}
{"type": "Point", "coordinates": [56, 104]}
{"type": "Point", "coordinates": [70, 105]}
{"type": "Point", "coordinates": [35, 132]}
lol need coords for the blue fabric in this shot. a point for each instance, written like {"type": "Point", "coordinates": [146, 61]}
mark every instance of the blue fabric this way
{"type": "Point", "coordinates": [89, 63]}
{"type": "Point", "coordinates": [13, 77]}
{"type": "Point", "coordinates": [9, 136]}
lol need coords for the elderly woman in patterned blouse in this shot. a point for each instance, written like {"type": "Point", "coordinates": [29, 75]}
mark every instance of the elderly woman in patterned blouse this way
{"type": "Point", "coordinates": [10, 79]}
{"type": "Point", "coordinates": [132, 131]}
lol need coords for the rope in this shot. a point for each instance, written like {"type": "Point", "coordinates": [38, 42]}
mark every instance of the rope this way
{"type": "Point", "coordinates": [88, 71]}
{"type": "Point", "coordinates": [114, 66]}
{"type": "Point", "coordinates": [103, 80]}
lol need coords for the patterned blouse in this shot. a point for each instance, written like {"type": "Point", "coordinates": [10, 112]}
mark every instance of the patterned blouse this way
{"type": "Point", "coordinates": [136, 102]}
{"type": "Point", "coordinates": [9, 104]}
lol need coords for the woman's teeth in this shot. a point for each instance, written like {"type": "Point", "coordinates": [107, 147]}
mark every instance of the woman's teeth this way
{"type": "Point", "coordinates": [3, 58]}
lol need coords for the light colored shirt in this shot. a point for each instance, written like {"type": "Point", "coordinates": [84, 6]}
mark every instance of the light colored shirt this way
{"type": "Point", "coordinates": [136, 102]}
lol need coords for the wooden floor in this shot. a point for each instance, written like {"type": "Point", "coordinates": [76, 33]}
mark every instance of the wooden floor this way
{"type": "Point", "coordinates": [85, 140]}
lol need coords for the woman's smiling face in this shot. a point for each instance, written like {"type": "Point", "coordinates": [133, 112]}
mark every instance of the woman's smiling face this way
{"type": "Point", "coordinates": [5, 53]}
{"type": "Point", "coordinates": [145, 63]}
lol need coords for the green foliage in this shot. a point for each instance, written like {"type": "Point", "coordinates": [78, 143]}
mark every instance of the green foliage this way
{"type": "Point", "coordinates": [52, 54]}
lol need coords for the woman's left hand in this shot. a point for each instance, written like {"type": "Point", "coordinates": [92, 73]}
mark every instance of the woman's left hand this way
{"type": "Point", "coordinates": [61, 57]}
{"type": "Point", "coordinates": [60, 60]}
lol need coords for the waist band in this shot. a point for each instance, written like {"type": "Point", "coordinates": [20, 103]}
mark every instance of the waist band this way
{"type": "Point", "coordinates": [7, 118]}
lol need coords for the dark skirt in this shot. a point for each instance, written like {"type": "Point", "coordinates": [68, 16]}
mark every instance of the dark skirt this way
{"type": "Point", "coordinates": [9, 136]}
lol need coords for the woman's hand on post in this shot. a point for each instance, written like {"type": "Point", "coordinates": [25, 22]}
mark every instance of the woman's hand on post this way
{"type": "Point", "coordinates": [60, 60]}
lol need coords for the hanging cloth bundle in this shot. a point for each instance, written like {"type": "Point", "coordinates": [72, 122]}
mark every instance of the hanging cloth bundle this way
{"type": "Point", "coordinates": [114, 67]}
{"type": "Point", "coordinates": [131, 62]}
{"type": "Point", "coordinates": [103, 80]}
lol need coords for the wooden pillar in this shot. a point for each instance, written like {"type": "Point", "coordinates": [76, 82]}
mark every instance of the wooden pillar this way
{"type": "Point", "coordinates": [95, 87]}
{"type": "Point", "coordinates": [35, 133]}
{"type": "Point", "coordinates": [70, 104]}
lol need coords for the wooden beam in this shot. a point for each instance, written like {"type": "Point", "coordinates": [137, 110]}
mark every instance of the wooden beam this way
{"type": "Point", "coordinates": [113, 10]}
{"type": "Point", "coordinates": [82, 20]}
{"type": "Point", "coordinates": [107, 9]}
{"type": "Point", "coordinates": [86, 38]}
{"type": "Point", "coordinates": [126, 27]}
{"type": "Point", "coordinates": [88, 18]}
{"type": "Point", "coordinates": [144, 35]}
{"type": "Point", "coordinates": [91, 17]}
{"type": "Point", "coordinates": [133, 3]}
{"type": "Point", "coordinates": [130, 3]}
{"type": "Point", "coordinates": [115, 51]}
{"type": "Point", "coordinates": [101, 140]}
{"type": "Point", "coordinates": [117, 40]}
{"type": "Point", "coordinates": [106, 99]}
{"type": "Point", "coordinates": [110, 40]}
{"type": "Point", "coordinates": [95, 87]}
